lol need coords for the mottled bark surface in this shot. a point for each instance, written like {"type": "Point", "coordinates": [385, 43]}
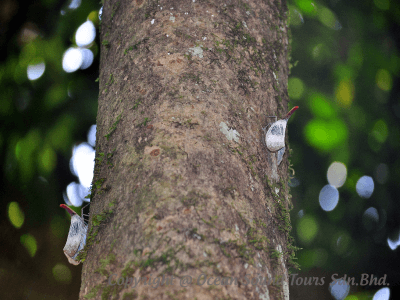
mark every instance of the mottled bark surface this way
{"type": "Point", "coordinates": [183, 184]}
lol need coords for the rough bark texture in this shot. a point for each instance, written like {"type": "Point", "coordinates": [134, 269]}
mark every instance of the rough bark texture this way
{"type": "Point", "coordinates": [183, 184]}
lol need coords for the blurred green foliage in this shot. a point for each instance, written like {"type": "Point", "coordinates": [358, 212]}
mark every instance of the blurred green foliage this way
{"type": "Point", "coordinates": [41, 121]}
{"type": "Point", "coordinates": [345, 79]}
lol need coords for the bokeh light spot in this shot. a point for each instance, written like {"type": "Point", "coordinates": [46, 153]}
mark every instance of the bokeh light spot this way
{"type": "Point", "coordinates": [85, 34]}
{"type": "Point", "coordinates": [72, 60]}
{"type": "Point", "coordinates": [73, 194]}
{"type": "Point", "coordinates": [370, 218]}
{"type": "Point", "coordinates": [15, 214]}
{"type": "Point", "coordinates": [296, 18]}
{"type": "Point", "coordinates": [294, 182]}
{"type": "Point", "coordinates": [74, 4]}
{"type": "Point", "coordinates": [328, 18]}
{"type": "Point", "coordinates": [321, 53]}
{"type": "Point", "coordinates": [307, 6]}
{"type": "Point", "coordinates": [365, 186]}
{"type": "Point", "coordinates": [341, 243]}
{"type": "Point", "coordinates": [382, 294]}
{"type": "Point", "coordinates": [62, 273]}
{"type": "Point", "coordinates": [91, 137]}
{"type": "Point", "coordinates": [384, 80]}
{"type": "Point", "coordinates": [94, 17]}
{"type": "Point", "coordinates": [29, 242]}
{"type": "Point", "coordinates": [394, 240]}
{"type": "Point", "coordinates": [380, 131]}
{"type": "Point", "coordinates": [339, 289]}
{"type": "Point", "coordinates": [35, 71]}
{"type": "Point", "coordinates": [307, 229]}
{"type": "Point", "coordinates": [48, 159]}
{"type": "Point", "coordinates": [345, 93]}
{"type": "Point", "coordinates": [337, 173]}
{"type": "Point", "coordinates": [325, 135]}
{"type": "Point", "coordinates": [87, 58]}
{"type": "Point", "coordinates": [82, 162]}
{"type": "Point", "coordinates": [328, 197]}
{"type": "Point", "coordinates": [100, 12]}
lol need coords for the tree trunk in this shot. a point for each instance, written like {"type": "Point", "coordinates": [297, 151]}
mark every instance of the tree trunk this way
{"type": "Point", "coordinates": [185, 195]}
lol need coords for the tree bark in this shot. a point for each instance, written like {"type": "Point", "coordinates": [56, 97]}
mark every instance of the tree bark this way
{"type": "Point", "coordinates": [184, 189]}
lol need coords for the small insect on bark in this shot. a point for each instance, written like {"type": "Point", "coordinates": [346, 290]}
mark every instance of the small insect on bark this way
{"type": "Point", "coordinates": [76, 236]}
{"type": "Point", "coordinates": [275, 136]}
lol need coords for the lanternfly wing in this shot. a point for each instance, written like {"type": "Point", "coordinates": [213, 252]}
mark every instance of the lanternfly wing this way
{"type": "Point", "coordinates": [275, 137]}
{"type": "Point", "coordinates": [76, 236]}
{"type": "Point", "coordinates": [281, 152]}
{"type": "Point", "coordinates": [76, 239]}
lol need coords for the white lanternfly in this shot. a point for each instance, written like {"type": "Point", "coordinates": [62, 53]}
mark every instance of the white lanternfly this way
{"type": "Point", "coordinates": [76, 236]}
{"type": "Point", "coordinates": [275, 136]}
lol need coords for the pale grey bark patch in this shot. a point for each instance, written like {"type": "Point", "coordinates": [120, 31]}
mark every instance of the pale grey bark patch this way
{"type": "Point", "coordinates": [231, 134]}
{"type": "Point", "coordinates": [197, 51]}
